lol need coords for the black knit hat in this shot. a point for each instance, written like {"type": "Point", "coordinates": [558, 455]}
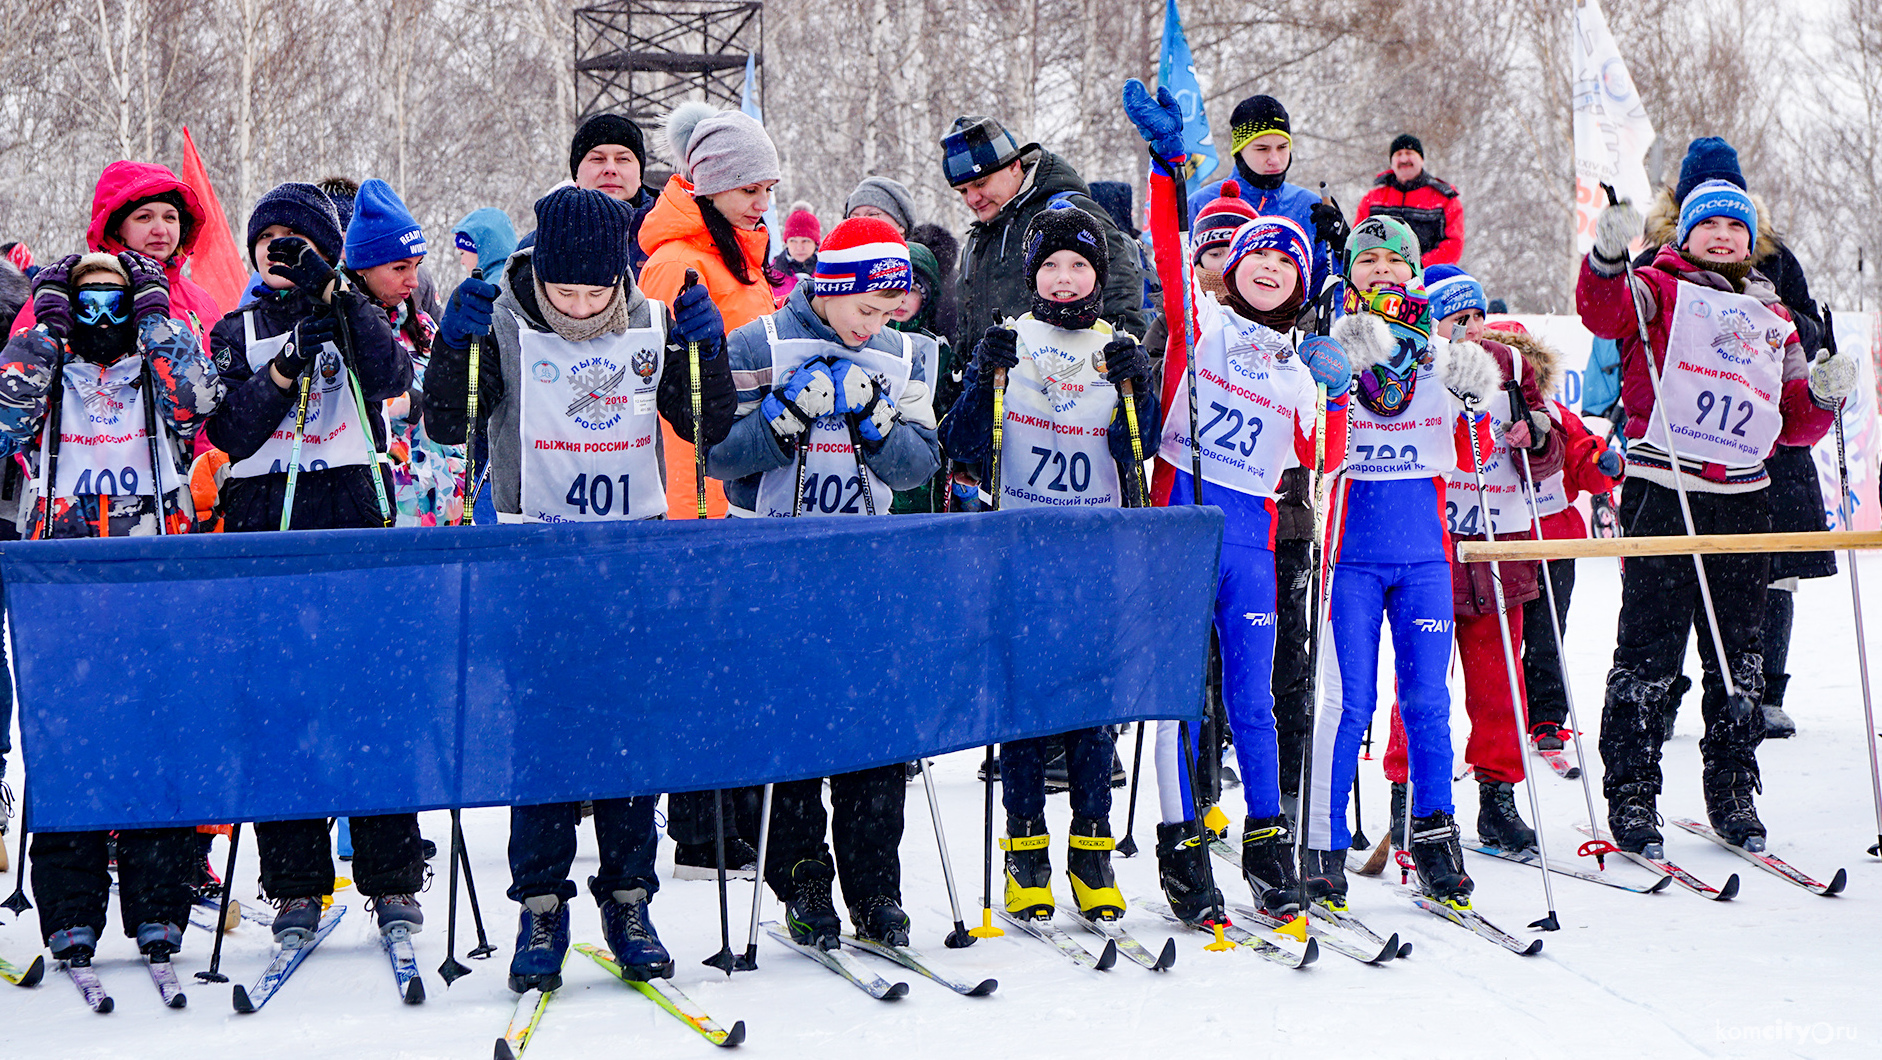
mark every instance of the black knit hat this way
{"type": "Point", "coordinates": [1063, 226]}
{"type": "Point", "coordinates": [302, 208]}
{"type": "Point", "coordinates": [1406, 141]}
{"type": "Point", "coordinates": [606, 129]}
{"type": "Point", "coordinates": [1257, 116]}
{"type": "Point", "coordinates": [581, 237]}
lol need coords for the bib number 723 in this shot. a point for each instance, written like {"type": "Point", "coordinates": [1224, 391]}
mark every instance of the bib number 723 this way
{"type": "Point", "coordinates": [1707, 401]}
{"type": "Point", "coordinates": [1231, 436]}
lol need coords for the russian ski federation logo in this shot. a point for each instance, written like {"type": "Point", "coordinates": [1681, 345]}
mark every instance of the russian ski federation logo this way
{"type": "Point", "coordinates": [594, 403]}
{"type": "Point", "coordinates": [103, 405]}
{"type": "Point", "coordinates": [643, 364]}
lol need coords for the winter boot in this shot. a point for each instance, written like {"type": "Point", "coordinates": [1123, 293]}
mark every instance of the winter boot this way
{"type": "Point", "coordinates": [1634, 822]}
{"type": "Point", "coordinates": [542, 941]}
{"type": "Point", "coordinates": [1498, 823]}
{"type": "Point", "coordinates": [1088, 866]}
{"type": "Point", "coordinates": [398, 913]}
{"type": "Point", "coordinates": [1268, 864]}
{"type": "Point", "coordinates": [1399, 794]}
{"type": "Point", "coordinates": [158, 940]}
{"type": "Point", "coordinates": [1440, 859]}
{"type": "Point", "coordinates": [1028, 868]}
{"type": "Point", "coordinates": [1326, 877]}
{"type": "Point", "coordinates": [1777, 724]}
{"type": "Point", "coordinates": [700, 861]}
{"type": "Point", "coordinates": [207, 884]}
{"type": "Point", "coordinates": [1729, 806]}
{"type": "Point", "coordinates": [810, 915]}
{"type": "Point", "coordinates": [631, 935]}
{"type": "Point", "coordinates": [880, 919]}
{"type": "Point", "coordinates": [1183, 870]}
{"type": "Point", "coordinates": [73, 945]}
{"type": "Point", "coordinates": [295, 921]}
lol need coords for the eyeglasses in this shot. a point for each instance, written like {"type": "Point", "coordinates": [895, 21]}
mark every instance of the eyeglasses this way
{"type": "Point", "coordinates": [102, 304]}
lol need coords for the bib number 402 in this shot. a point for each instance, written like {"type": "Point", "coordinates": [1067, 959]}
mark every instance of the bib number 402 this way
{"type": "Point", "coordinates": [596, 493]}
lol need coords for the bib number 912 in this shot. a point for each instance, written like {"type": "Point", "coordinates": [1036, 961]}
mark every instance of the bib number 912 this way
{"type": "Point", "coordinates": [1707, 401]}
{"type": "Point", "coordinates": [595, 493]}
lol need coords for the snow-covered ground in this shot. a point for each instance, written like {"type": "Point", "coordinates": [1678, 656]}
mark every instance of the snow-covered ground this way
{"type": "Point", "coordinates": [1778, 972]}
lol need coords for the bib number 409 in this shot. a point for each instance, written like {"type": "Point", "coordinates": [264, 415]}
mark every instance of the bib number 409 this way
{"type": "Point", "coordinates": [121, 484]}
{"type": "Point", "coordinates": [596, 493]}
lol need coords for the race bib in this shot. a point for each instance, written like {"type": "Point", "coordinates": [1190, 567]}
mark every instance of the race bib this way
{"type": "Point", "coordinates": [1417, 443]}
{"type": "Point", "coordinates": [1502, 482]}
{"type": "Point", "coordinates": [104, 447]}
{"type": "Point", "coordinates": [333, 435]}
{"type": "Point", "coordinates": [834, 473]}
{"type": "Point", "coordinates": [1722, 377]}
{"type": "Point", "coordinates": [1250, 391]}
{"type": "Point", "coordinates": [589, 425]}
{"type": "Point", "coordinates": [1054, 450]}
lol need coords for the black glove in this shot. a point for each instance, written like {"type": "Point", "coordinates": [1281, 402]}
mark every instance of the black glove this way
{"type": "Point", "coordinates": [296, 259]}
{"type": "Point", "coordinates": [998, 349]}
{"type": "Point", "coordinates": [1125, 360]}
{"type": "Point", "coordinates": [52, 297]}
{"type": "Point", "coordinates": [1329, 226]}
{"type": "Point", "coordinates": [309, 336]}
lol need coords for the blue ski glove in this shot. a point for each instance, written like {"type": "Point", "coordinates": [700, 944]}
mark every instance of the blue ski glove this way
{"type": "Point", "coordinates": [297, 260]}
{"type": "Point", "coordinates": [808, 394]}
{"type": "Point", "coordinates": [862, 399]}
{"type": "Point", "coordinates": [1160, 120]}
{"type": "Point", "coordinates": [1610, 463]}
{"type": "Point", "coordinates": [1327, 361]}
{"type": "Point", "coordinates": [468, 315]}
{"type": "Point", "coordinates": [696, 319]}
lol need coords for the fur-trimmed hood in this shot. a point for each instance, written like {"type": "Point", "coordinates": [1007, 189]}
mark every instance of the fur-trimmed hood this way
{"type": "Point", "coordinates": [1663, 224]}
{"type": "Point", "coordinates": [1539, 358]}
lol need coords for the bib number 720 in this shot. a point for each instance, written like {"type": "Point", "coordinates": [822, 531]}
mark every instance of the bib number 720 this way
{"type": "Point", "coordinates": [1707, 401]}
{"type": "Point", "coordinates": [1079, 467]}
{"type": "Point", "coordinates": [595, 493]}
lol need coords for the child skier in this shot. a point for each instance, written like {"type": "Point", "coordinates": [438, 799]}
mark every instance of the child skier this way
{"type": "Point", "coordinates": [1066, 442]}
{"type": "Point", "coordinates": [824, 365]}
{"type": "Point", "coordinates": [1736, 383]}
{"type": "Point", "coordinates": [281, 350]}
{"type": "Point", "coordinates": [105, 344]}
{"type": "Point", "coordinates": [1420, 404]}
{"type": "Point", "coordinates": [569, 323]}
{"type": "Point", "coordinates": [1262, 402]}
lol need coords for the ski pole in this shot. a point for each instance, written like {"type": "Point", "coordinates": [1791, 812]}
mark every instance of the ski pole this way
{"type": "Point", "coordinates": [1519, 409]}
{"type": "Point", "coordinates": [1127, 846]}
{"type": "Point", "coordinates": [1517, 705]}
{"type": "Point", "coordinates": [999, 439]}
{"type": "Point", "coordinates": [1855, 592]}
{"type": "Point", "coordinates": [451, 970]}
{"type": "Point", "coordinates": [348, 357]}
{"type": "Point", "coordinates": [17, 900]}
{"type": "Point", "coordinates": [724, 960]}
{"type": "Point", "coordinates": [49, 473]}
{"type": "Point", "coordinates": [1316, 583]}
{"type": "Point", "coordinates": [1737, 703]}
{"type": "Point", "coordinates": [1129, 394]}
{"type": "Point", "coordinates": [748, 961]}
{"type": "Point", "coordinates": [986, 930]}
{"type": "Point", "coordinates": [862, 472]}
{"type": "Point", "coordinates": [150, 430]}
{"type": "Point", "coordinates": [471, 431]}
{"type": "Point", "coordinates": [294, 456]}
{"type": "Point", "coordinates": [960, 938]}
{"type": "Point", "coordinates": [214, 974]}
{"type": "Point", "coordinates": [1218, 917]}
{"type": "Point", "coordinates": [484, 948]}
{"type": "Point", "coordinates": [1189, 324]}
{"type": "Point", "coordinates": [699, 435]}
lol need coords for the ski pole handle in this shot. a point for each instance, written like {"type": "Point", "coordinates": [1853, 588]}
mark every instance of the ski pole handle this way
{"type": "Point", "coordinates": [475, 364]}
{"type": "Point", "coordinates": [1129, 393]}
{"type": "Point", "coordinates": [999, 434]}
{"type": "Point", "coordinates": [699, 439]}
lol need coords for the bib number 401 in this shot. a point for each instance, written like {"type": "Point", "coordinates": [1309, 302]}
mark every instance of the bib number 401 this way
{"type": "Point", "coordinates": [596, 493]}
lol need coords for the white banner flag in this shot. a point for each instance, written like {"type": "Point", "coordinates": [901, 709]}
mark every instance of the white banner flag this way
{"type": "Point", "coordinates": [1612, 131]}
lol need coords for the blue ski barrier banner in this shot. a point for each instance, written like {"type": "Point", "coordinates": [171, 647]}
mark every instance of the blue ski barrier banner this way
{"type": "Point", "coordinates": [203, 679]}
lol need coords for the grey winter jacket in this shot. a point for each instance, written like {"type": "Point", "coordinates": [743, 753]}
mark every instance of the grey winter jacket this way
{"type": "Point", "coordinates": [993, 272]}
{"type": "Point", "coordinates": [908, 456]}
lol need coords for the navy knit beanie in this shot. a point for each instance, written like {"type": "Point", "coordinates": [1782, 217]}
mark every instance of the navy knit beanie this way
{"type": "Point", "coordinates": [606, 129]}
{"type": "Point", "coordinates": [581, 237]}
{"type": "Point", "coordinates": [382, 229]}
{"type": "Point", "coordinates": [302, 208]}
{"type": "Point", "coordinates": [1707, 158]}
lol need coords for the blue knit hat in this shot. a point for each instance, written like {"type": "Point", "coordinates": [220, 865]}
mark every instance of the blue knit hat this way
{"type": "Point", "coordinates": [487, 233]}
{"type": "Point", "coordinates": [382, 230]}
{"type": "Point", "coordinates": [302, 208]}
{"type": "Point", "coordinates": [1272, 233]}
{"type": "Point", "coordinates": [581, 237]}
{"type": "Point", "coordinates": [1452, 290]}
{"type": "Point", "coordinates": [976, 146]}
{"type": "Point", "coordinates": [1707, 158]}
{"type": "Point", "coordinates": [1716, 198]}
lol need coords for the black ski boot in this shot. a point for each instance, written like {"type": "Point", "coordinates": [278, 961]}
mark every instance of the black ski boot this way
{"type": "Point", "coordinates": [1088, 865]}
{"type": "Point", "coordinates": [1399, 795]}
{"type": "Point", "coordinates": [158, 940]}
{"type": "Point", "coordinates": [1183, 870]}
{"type": "Point", "coordinates": [1498, 823]}
{"type": "Point", "coordinates": [73, 945]}
{"type": "Point", "coordinates": [1326, 877]}
{"type": "Point", "coordinates": [880, 919]}
{"type": "Point", "coordinates": [1729, 806]}
{"type": "Point", "coordinates": [1268, 864]}
{"type": "Point", "coordinates": [542, 942]}
{"type": "Point", "coordinates": [1777, 724]}
{"type": "Point", "coordinates": [1547, 736]}
{"type": "Point", "coordinates": [810, 915]}
{"type": "Point", "coordinates": [630, 934]}
{"type": "Point", "coordinates": [1028, 867]}
{"type": "Point", "coordinates": [1634, 822]}
{"type": "Point", "coordinates": [1440, 859]}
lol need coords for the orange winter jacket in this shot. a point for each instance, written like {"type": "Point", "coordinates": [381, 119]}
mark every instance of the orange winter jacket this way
{"type": "Point", "coordinates": [675, 238]}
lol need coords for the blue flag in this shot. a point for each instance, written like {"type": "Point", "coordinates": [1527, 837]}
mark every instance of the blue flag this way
{"type": "Point", "coordinates": [748, 105]}
{"type": "Point", "coordinates": [1176, 71]}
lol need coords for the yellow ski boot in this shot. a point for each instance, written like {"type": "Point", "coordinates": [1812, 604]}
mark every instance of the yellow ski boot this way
{"type": "Point", "coordinates": [1088, 864]}
{"type": "Point", "coordinates": [1028, 869]}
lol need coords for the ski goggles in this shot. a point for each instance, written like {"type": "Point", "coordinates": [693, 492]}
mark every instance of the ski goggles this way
{"type": "Point", "coordinates": [1399, 305]}
{"type": "Point", "coordinates": [96, 305]}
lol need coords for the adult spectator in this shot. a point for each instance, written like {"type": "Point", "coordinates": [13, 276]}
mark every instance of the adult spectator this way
{"type": "Point", "coordinates": [609, 155]}
{"type": "Point", "coordinates": [1427, 205]}
{"type": "Point", "coordinates": [885, 199]}
{"type": "Point", "coordinates": [1005, 185]}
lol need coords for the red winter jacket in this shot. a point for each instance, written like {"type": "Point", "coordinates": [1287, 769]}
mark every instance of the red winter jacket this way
{"type": "Point", "coordinates": [1472, 589]}
{"type": "Point", "coordinates": [1428, 206]}
{"type": "Point", "coordinates": [124, 182]}
{"type": "Point", "coordinates": [1579, 475]}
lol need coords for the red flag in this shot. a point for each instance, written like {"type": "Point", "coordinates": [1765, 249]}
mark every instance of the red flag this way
{"type": "Point", "coordinates": [216, 265]}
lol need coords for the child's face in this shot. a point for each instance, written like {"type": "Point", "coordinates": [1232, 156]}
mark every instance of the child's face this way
{"type": "Point", "coordinates": [578, 301]}
{"type": "Point", "coordinates": [1268, 154]}
{"type": "Point", "coordinates": [857, 317]}
{"type": "Point", "coordinates": [1465, 325]}
{"type": "Point", "coordinates": [1720, 239]}
{"type": "Point", "coordinates": [1378, 267]}
{"type": "Point", "coordinates": [269, 235]}
{"type": "Point", "coordinates": [1266, 278]}
{"type": "Point", "coordinates": [392, 282]}
{"type": "Point", "coordinates": [911, 304]}
{"type": "Point", "coordinates": [468, 259]}
{"type": "Point", "coordinates": [1214, 258]}
{"type": "Point", "coordinates": [1065, 277]}
{"type": "Point", "coordinates": [152, 230]}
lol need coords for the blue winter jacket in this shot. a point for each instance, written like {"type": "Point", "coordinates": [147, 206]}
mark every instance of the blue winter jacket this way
{"type": "Point", "coordinates": [1289, 200]}
{"type": "Point", "coordinates": [908, 456]}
